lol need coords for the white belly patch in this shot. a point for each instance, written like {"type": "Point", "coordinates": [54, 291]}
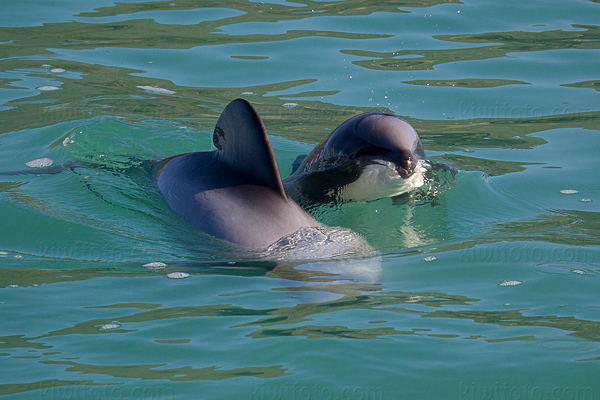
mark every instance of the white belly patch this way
{"type": "Point", "coordinates": [381, 180]}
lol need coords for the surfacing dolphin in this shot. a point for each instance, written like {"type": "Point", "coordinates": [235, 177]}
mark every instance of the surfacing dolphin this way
{"type": "Point", "coordinates": [234, 193]}
{"type": "Point", "coordinates": [368, 157]}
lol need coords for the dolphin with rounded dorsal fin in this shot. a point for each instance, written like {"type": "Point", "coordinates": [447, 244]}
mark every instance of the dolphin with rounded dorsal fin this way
{"type": "Point", "coordinates": [234, 193]}
{"type": "Point", "coordinates": [368, 157]}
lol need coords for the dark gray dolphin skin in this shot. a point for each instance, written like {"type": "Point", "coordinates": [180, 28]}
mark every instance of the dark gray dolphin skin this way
{"type": "Point", "coordinates": [234, 193]}
{"type": "Point", "coordinates": [372, 152]}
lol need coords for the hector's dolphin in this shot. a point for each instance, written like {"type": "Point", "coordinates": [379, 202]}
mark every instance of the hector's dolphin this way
{"type": "Point", "coordinates": [368, 157]}
{"type": "Point", "coordinates": [234, 193]}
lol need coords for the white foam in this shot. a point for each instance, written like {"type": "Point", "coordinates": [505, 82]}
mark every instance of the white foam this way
{"type": "Point", "coordinates": [157, 90]}
{"type": "Point", "coordinates": [155, 265]}
{"type": "Point", "coordinates": [510, 283]}
{"type": "Point", "coordinates": [178, 275]}
{"type": "Point", "coordinates": [47, 88]}
{"type": "Point", "coordinates": [40, 163]}
{"type": "Point", "coordinates": [112, 325]}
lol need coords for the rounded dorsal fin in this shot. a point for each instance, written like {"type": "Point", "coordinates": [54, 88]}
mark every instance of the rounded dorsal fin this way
{"type": "Point", "coordinates": [243, 144]}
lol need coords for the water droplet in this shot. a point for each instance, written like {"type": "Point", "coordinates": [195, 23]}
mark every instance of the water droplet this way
{"type": "Point", "coordinates": [178, 275]}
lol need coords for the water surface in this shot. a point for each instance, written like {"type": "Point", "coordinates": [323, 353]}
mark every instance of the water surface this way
{"type": "Point", "coordinates": [488, 290]}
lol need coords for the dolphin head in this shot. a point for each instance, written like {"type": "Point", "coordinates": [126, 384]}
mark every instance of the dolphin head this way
{"type": "Point", "coordinates": [369, 156]}
{"type": "Point", "coordinates": [374, 137]}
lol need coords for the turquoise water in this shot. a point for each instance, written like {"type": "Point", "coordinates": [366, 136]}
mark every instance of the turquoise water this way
{"type": "Point", "coordinates": [487, 291]}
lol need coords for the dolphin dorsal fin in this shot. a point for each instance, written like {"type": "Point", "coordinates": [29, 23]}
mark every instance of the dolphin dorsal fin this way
{"type": "Point", "coordinates": [243, 144]}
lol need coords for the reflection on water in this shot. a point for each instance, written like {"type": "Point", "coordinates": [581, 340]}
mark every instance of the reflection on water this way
{"type": "Point", "coordinates": [270, 11]}
{"type": "Point", "coordinates": [287, 321]}
{"type": "Point", "coordinates": [467, 83]}
{"type": "Point", "coordinates": [157, 371]}
{"type": "Point", "coordinates": [505, 92]}
{"type": "Point", "coordinates": [496, 44]}
{"type": "Point", "coordinates": [148, 33]}
{"type": "Point", "coordinates": [585, 84]}
{"type": "Point", "coordinates": [309, 122]}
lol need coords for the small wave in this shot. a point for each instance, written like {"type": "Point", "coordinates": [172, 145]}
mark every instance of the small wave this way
{"type": "Point", "coordinates": [438, 177]}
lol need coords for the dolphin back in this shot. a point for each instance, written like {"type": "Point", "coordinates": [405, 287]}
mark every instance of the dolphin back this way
{"type": "Point", "coordinates": [234, 193]}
